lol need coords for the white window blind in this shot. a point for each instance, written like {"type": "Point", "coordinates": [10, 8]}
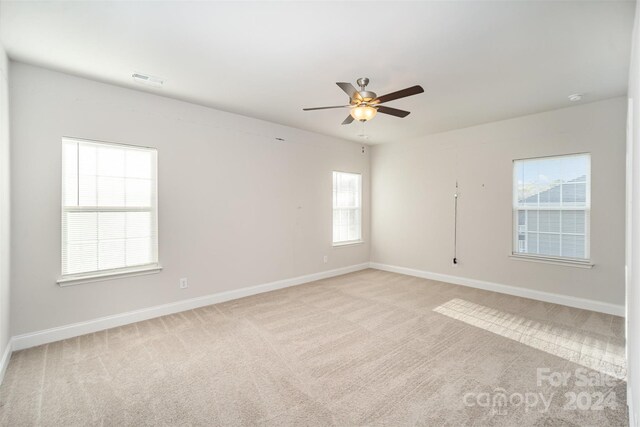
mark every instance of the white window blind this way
{"type": "Point", "coordinates": [552, 202]}
{"type": "Point", "coordinates": [347, 207]}
{"type": "Point", "coordinates": [109, 208]}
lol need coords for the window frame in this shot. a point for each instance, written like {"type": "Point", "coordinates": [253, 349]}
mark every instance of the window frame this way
{"type": "Point", "coordinates": [358, 209]}
{"type": "Point", "coordinates": [114, 273]}
{"type": "Point", "coordinates": [551, 259]}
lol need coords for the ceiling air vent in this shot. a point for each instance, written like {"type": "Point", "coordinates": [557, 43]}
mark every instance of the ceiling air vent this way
{"type": "Point", "coordinates": [147, 80]}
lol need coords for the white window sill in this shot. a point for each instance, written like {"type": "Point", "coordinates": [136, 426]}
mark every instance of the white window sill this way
{"type": "Point", "coordinates": [551, 260]}
{"type": "Point", "coordinates": [350, 243]}
{"type": "Point", "coordinates": [110, 275]}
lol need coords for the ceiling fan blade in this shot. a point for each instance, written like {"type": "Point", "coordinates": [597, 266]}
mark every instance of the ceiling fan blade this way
{"type": "Point", "coordinates": [348, 120]}
{"type": "Point", "coordinates": [325, 108]}
{"type": "Point", "coordinates": [349, 90]}
{"type": "Point", "coordinates": [392, 111]}
{"type": "Point", "coordinates": [413, 90]}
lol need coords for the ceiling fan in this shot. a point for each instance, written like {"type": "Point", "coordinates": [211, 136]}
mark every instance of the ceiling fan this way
{"type": "Point", "coordinates": [365, 104]}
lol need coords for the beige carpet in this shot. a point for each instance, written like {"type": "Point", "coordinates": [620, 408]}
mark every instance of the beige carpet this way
{"type": "Point", "coordinates": [368, 348]}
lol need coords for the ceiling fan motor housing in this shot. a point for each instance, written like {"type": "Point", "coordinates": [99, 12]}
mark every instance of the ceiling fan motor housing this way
{"type": "Point", "coordinates": [365, 94]}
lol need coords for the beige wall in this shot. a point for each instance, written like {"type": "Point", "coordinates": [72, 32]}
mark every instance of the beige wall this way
{"type": "Point", "coordinates": [414, 181]}
{"type": "Point", "coordinates": [237, 208]}
{"type": "Point", "coordinates": [4, 203]}
{"type": "Point", "coordinates": [633, 232]}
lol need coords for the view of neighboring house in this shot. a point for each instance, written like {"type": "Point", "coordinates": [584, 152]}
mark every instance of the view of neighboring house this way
{"type": "Point", "coordinates": [554, 221]}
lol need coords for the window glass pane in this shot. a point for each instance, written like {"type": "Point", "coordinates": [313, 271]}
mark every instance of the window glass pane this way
{"type": "Point", "coordinates": [109, 207]}
{"type": "Point", "coordinates": [70, 173]}
{"type": "Point", "coordinates": [532, 243]}
{"type": "Point", "coordinates": [81, 257]}
{"type": "Point", "coordinates": [532, 220]}
{"type": "Point", "coordinates": [81, 226]}
{"type": "Point", "coordinates": [346, 207]}
{"type": "Point", "coordinates": [70, 185]}
{"type": "Point", "coordinates": [110, 161]}
{"type": "Point", "coordinates": [549, 221]}
{"type": "Point", "coordinates": [138, 164]}
{"type": "Point", "coordinates": [552, 201]}
{"type": "Point", "coordinates": [573, 246]}
{"type": "Point", "coordinates": [347, 190]}
{"type": "Point", "coordinates": [111, 254]}
{"type": "Point", "coordinates": [353, 225]}
{"type": "Point", "coordinates": [549, 244]}
{"type": "Point", "coordinates": [138, 192]}
{"type": "Point", "coordinates": [569, 221]}
{"type": "Point", "coordinates": [87, 190]}
{"type": "Point", "coordinates": [138, 251]}
{"type": "Point", "coordinates": [575, 168]}
{"type": "Point", "coordinates": [580, 247]}
{"type": "Point", "coordinates": [111, 225]}
{"type": "Point", "coordinates": [573, 221]}
{"type": "Point", "coordinates": [111, 191]}
{"type": "Point", "coordinates": [581, 193]}
{"type": "Point", "coordinates": [581, 220]}
{"type": "Point", "coordinates": [138, 224]}
{"type": "Point", "coordinates": [568, 193]}
{"type": "Point", "coordinates": [550, 196]}
{"type": "Point", "coordinates": [344, 224]}
{"type": "Point", "coordinates": [87, 160]}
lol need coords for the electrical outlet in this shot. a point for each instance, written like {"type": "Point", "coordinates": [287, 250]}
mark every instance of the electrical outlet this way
{"type": "Point", "coordinates": [325, 259]}
{"type": "Point", "coordinates": [183, 283]}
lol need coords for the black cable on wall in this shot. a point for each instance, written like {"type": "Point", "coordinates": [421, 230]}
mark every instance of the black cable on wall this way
{"type": "Point", "coordinates": [455, 225]}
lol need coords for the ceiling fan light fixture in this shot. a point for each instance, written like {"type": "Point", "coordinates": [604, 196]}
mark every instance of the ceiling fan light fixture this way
{"type": "Point", "coordinates": [363, 113]}
{"type": "Point", "coordinates": [364, 104]}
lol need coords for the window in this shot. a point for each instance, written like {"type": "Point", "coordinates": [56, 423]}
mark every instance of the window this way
{"type": "Point", "coordinates": [347, 208]}
{"type": "Point", "coordinates": [552, 203]}
{"type": "Point", "coordinates": [109, 208]}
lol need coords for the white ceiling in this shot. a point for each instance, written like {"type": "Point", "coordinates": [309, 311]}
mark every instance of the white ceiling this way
{"type": "Point", "coordinates": [478, 61]}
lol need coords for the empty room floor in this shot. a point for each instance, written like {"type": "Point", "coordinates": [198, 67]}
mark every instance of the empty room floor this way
{"type": "Point", "coordinates": [367, 348]}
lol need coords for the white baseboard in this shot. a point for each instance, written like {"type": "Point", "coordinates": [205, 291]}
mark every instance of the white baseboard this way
{"type": "Point", "coordinates": [20, 342]}
{"type": "Point", "coordinates": [633, 420]}
{"type": "Point", "coordinates": [33, 339]}
{"type": "Point", "coordinates": [587, 304]}
{"type": "Point", "coordinates": [6, 356]}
